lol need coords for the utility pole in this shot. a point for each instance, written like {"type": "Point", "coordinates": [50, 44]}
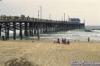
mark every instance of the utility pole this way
{"type": "Point", "coordinates": [84, 21]}
{"type": "Point", "coordinates": [40, 12]}
{"type": "Point", "coordinates": [39, 18]}
{"type": "Point", "coordinates": [68, 17]}
{"type": "Point", "coordinates": [37, 27]}
{"type": "Point", "coordinates": [49, 16]}
{"type": "Point", "coordinates": [64, 16]}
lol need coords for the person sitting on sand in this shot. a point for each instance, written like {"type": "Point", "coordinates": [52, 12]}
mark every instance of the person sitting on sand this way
{"type": "Point", "coordinates": [58, 40]}
{"type": "Point", "coordinates": [64, 41]}
{"type": "Point", "coordinates": [68, 42]}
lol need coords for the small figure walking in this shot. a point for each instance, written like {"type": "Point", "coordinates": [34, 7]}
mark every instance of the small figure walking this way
{"type": "Point", "coordinates": [88, 39]}
{"type": "Point", "coordinates": [3, 38]}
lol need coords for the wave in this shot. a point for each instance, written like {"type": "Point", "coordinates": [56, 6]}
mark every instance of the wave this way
{"type": "Point", "coordinates": [98, 31]}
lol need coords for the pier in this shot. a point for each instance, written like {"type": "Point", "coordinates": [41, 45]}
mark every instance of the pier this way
{"type": "Point", "coordinates": [34, 26]}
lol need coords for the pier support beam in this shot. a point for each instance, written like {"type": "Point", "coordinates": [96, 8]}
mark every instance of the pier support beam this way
{"type": "Point", "coordinates": [5, 26]}
{"type": "Point", "coordinates": [7, 29]}
{"type": "Point", "coordinates": [38, 31]}
{"type": "Point", "coordinates": [14, 30]}
{"type": "Point", "coordinates": [0, 29]}
{"type": "Point", "coordinates": [30, 29]}
{"type": "Point", "coordinates": [20, 33]}
{"type": "Point", "coordinates": [35, 32]}
{"type": "Point", "coordinates": [26, 29]}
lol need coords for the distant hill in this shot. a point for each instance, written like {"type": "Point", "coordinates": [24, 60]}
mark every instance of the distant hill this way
{"type": "Point", "coordinates": [93, 27]}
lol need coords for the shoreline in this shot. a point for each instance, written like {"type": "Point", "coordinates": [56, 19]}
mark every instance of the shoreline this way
{"type": "Point", "coordinates": [51, 40]}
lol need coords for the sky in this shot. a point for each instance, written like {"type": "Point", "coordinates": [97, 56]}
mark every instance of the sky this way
{"type": "Point", "coordinates": [86, 10]}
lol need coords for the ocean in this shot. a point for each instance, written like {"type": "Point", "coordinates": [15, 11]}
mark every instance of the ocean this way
{"type": "Point", "coordinates": [75, 35]}
{"type": "Point", "coordinates": [72, 35]}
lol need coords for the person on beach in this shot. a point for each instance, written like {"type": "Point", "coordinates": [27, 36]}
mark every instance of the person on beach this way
{"type": "Point", "coordinates": [57, 41]}
{"type": "Point", "coordinates": [88, 39]}
{"type": "Point", "coordinates": [64, 41]}
{"type": "Point", "coordinates": [68, 42]}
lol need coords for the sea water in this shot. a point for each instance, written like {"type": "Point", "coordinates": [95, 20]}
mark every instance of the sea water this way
{"type": "Point", "coordinates": [78, 34]}
{"type": "Point", "coordinates": [75, 35]}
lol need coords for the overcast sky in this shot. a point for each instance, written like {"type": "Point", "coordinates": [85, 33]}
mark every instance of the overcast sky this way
{"type": "Point", "coordinates": [84, 9]}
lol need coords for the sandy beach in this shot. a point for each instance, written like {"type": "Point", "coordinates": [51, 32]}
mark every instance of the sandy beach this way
{"type": "Point", "coordinates": [48, 53]}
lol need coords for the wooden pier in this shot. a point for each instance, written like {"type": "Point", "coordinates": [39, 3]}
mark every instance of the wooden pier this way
{"type": "Point", "coordinates": [34, 26]}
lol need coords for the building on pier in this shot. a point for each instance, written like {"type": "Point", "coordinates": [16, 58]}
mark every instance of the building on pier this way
{"type": "Point", "coordinates": [74, 20]}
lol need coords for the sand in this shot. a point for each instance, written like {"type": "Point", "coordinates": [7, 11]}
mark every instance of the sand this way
{"type": "Point", "coordinates": [48, 53]}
